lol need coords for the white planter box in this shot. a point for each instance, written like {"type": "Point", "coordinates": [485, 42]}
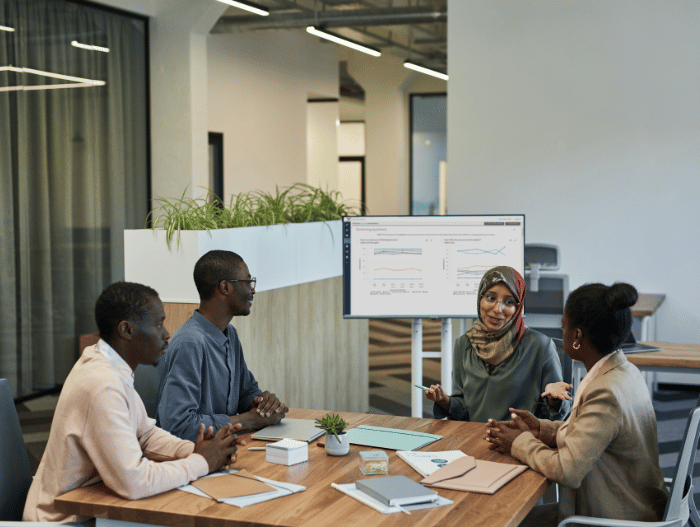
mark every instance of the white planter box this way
{"type": "Point", "coordinates": [278, 256]}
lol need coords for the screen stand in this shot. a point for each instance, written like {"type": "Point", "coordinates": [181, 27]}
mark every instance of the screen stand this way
{"type": "Point", "coordinates": [417, 356]}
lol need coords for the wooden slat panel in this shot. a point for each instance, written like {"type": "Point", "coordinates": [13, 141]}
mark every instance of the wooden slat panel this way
{"type": "Point", "coordinates": [298, 346]}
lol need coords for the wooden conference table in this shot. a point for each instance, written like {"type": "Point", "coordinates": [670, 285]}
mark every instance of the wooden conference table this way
{"type": "Point", "coordinates": [320, 504]}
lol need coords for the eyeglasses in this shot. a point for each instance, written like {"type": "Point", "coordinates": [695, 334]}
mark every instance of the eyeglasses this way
{"type": "Point", "coordinates": [506, 304]}
{"type": "Point", "coordinates": [251, 281]}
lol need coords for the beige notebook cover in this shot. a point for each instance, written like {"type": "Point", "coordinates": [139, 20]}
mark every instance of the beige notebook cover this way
{"type": "Point", "coordinates": [473, 475]}
{"type": "Point", "coordinates": [242, 483]}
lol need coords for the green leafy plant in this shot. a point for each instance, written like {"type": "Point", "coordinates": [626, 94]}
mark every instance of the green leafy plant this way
{"type": "Point", "coordinates": [300, 203]}
{"type": "Point", "coordinates": [332, 424]}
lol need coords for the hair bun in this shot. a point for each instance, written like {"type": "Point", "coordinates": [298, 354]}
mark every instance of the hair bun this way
{"type": "Point", "coordinates": [620, 296]}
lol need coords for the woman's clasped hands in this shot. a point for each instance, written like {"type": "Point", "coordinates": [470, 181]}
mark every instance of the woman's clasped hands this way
{"type": "Point", "coordinates": [501, 434]}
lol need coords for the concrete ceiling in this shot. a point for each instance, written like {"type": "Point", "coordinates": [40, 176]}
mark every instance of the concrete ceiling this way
{"type": "Point", "coordinates": [414, 30]}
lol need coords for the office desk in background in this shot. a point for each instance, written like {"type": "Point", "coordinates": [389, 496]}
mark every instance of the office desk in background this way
{"type": "Point", "coordinates": [320, 504]}
{"type": "Point", "coordinates": [645, 309]}
{"type": "Point", "coordinates": [671, 358]}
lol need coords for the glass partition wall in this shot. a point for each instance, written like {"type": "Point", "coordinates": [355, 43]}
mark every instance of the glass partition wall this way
{"type": "Point", "coordinates": [73, 174]}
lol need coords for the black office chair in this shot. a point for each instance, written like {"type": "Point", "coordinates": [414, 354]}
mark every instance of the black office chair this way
{"type": "Point", "coordinates": [567, 364]}
{"type": "Point", "coordinates": [15, 472]}
{"type": "Point", "coordinates": [146, 379]}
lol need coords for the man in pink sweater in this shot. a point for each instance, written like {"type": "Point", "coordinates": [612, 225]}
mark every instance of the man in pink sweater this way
{"type": "Point", "coordinates": [100, 429]}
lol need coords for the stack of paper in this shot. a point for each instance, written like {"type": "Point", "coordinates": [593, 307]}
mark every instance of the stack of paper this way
{"type": "Point", "coordinates": [287, 452]}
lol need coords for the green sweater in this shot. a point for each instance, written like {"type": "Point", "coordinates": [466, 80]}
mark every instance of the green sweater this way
{"type": "Point", "coordinates": [515, 383]}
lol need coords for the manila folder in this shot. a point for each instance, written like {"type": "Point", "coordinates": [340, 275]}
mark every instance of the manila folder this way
{"type": "Point", "coordinates": [473, 475]}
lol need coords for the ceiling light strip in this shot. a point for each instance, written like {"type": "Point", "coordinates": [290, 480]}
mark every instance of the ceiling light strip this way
{"type": "Point", "coordinates": [253, 8]}
{"type": "Point", "coordinates": [64, 77]}
{"type": "Point", "coordinates": [77, 44]}
{"type": "Point", "coordinates": [6, 28]}
{"type": "Point", "coordinates": [343, 41]}
{"type": "Point", "coordinates": [48, 86]}
{"type": "Point", "coordinates": [76, 82]}
{"type": "Point", "coordinates": [427, 71]}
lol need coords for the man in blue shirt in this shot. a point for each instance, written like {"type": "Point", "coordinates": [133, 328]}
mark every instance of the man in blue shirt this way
{"type": "Point", "coordinates": [203, 376]}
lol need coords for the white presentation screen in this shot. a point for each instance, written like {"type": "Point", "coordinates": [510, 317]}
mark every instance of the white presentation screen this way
{"type": "Point", "coordinates": [424, 266]}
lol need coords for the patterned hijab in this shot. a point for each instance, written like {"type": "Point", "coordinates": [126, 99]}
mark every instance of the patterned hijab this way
{"type": "Point", "coordinates": [495, 347]}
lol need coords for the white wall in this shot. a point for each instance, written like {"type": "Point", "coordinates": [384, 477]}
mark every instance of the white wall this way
{"type": "Point", "coordinates": [585, 116]}
{"type": "Point", "coordinates": [387, 84]}
{"type": "Point", "coordinates": [259, 84]}
{"type": "Point", "coordinates": [178, 83]}
{"type": "Point", "coordinates": [322, 124]}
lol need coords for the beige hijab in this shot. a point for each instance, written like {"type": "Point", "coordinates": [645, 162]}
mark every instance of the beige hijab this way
{"type": "Point", "coordinates": [493, 347]}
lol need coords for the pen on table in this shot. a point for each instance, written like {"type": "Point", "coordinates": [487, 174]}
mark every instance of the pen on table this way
{"type": "Point", "coordinates": [421, 387]}
{"type": "Point", "coordinates": [256, 448]}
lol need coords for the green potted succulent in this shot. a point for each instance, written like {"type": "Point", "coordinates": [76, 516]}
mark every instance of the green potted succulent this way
{"type": "Point", "coordinates": [337, 443]}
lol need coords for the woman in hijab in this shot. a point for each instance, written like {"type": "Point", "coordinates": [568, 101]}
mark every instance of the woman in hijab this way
{"type": "Point", "coordinates": [499, 363]}
{"type": "Point", "coordinates": [606, 455]}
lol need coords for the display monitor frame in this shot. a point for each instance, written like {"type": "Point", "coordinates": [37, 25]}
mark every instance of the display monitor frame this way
{"type": "Point", "coordinates": [424, 266]}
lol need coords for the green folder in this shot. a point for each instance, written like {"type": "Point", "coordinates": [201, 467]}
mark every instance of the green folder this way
{"type": "Point", "coordinates": [390, 438]}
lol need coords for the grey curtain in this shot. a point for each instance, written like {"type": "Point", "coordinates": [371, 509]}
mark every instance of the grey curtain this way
{"type": "Point", "coordinates": [73, 176]}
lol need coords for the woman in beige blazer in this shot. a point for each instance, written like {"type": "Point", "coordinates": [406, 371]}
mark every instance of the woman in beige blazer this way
{"type": "Point", "coordinates": [606, 455]}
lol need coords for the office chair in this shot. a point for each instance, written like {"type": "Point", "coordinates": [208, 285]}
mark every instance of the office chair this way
{"type": "Point", "coordinates": [680, 508]}
{"type": "Point", "coordinates": [15, 472]}
{"type": "Point", "coordinates": [146, 379]}
{"type": "Point", "coordinates": [540, 257]}
{"type": "Point", "coordinates": [546, 291]}
{"type": "Point", "coordinates": [566, 363]}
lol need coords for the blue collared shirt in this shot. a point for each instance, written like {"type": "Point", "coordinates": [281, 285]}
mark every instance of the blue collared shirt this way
{"type": "Point", "coordinates": [203, 379]}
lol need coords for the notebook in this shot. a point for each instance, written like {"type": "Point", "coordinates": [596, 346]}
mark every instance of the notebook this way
{"type": "Point", "coordinates": [242, 483]}
{"type": "Point", "coordinates": [396, 491]}
{"type": "Point", "coordinates": [349, 489]}
{"type": "Point", "coordinates": [390, 438]}
{"type": "Point", "coordinates": [280, 489]}
{"type": "Point", "coordinates": [425, 463]}
{"type": "Point", "coordinates": [473, 475]}
{"type": "Point", "coordinates": [288, 428]}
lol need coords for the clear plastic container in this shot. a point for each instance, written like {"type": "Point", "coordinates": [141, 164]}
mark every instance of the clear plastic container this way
{"type": "Point", "coordinates": [374, 462]}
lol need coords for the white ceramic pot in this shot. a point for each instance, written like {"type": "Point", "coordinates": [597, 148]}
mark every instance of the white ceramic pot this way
{"type": "Point", "coordinates": [335, 447]}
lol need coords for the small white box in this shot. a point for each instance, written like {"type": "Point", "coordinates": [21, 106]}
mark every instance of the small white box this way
{"type": "Point", "coordinates": [287, 452]}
